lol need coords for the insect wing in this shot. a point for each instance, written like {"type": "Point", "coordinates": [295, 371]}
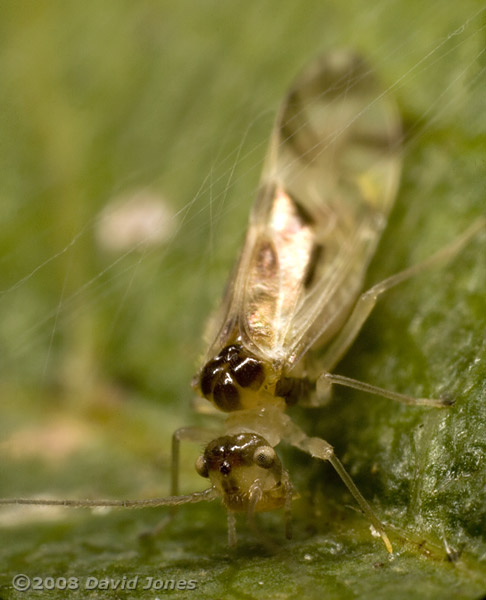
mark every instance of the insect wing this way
{"type": "Point", "coordinates": [328, 184]}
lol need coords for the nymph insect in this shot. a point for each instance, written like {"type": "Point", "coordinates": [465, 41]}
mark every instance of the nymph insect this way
{"type": "Point", "coordinates": [328, 185]}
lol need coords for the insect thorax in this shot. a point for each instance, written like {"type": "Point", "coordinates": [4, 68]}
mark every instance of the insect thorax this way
{"type": "Point", "coordinates": [237, 380]}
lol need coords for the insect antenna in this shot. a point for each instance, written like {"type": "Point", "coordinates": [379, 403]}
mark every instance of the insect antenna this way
{"type": "Point", "coordinates": [206, 495]}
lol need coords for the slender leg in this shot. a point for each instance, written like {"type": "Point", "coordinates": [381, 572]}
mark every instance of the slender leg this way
{"type": "Point", "coordinates": [362, 310]}
{"type": "Point", "coordinates": [254, 497]}
{"type": "Point", "coordinates": [255, 494]}
{"type": "Point", "coordinates": [319, 448]}
{"type": "Point", "coordinates": [367, 301]}
{"type": "Point", "coordinates": [194, 434]}
{"type": "Point", "coordinates": [327, 379]}
{"type": "Point", "coordinates": [191, 434]}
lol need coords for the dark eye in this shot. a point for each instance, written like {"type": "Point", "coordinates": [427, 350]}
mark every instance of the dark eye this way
{"type": "Point", "coordinates": [264, 456]}
{"type": "Point", "coordinates": [202, 466]}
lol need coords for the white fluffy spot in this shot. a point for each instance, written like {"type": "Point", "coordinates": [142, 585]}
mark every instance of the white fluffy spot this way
{"type": "Point", "coordinates": [135, 221]}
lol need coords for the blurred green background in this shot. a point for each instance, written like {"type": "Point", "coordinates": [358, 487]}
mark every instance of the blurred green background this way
{"type": "Point", "coordinates": [170, 104]}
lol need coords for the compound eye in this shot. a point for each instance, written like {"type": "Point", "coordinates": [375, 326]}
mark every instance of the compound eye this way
{"type": "Point", "coordinates": [202, 466]}
{"type": "Point", "coordinates": [264, 456]}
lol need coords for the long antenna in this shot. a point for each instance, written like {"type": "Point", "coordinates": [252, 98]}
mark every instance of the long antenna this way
{"type": "Point", "coordinates": [206, 495]}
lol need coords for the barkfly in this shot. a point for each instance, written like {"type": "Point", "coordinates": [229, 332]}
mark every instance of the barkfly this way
{"type": "Point", "coordinates": [328, 185]}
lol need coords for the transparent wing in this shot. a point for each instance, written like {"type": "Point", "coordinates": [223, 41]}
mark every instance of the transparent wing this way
{"type": "Point", "coordinates": [328, 185]}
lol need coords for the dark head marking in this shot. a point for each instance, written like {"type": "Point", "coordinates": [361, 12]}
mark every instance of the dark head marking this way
{"type": "Point", "coordinates": [224, 377]}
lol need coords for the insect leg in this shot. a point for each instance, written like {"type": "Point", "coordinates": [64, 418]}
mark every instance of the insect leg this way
{"type": "Point", "coordinates": [362, 310]}
{"type": "Point", "coordinates": [190, 434]}
{"type": "Point", "coordinates": [319, 448]}
{"type": "Point", "coordinates": [255, 495]}
{"type": "Point", "coordinates": [195, 434]}
{"type": "Point", "coordinates": [327, 379]}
